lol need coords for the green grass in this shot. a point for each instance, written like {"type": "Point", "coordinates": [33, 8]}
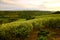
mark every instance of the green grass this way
{"type": "Point", "coordinates": [24, 27]}
{"type": "Point", "coordinates": [46, 16]}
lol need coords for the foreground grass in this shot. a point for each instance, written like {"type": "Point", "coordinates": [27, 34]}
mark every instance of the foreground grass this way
{"type": "Point", "coordinates": [21, 29]}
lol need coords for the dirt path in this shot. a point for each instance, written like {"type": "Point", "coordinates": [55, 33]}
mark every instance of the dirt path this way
{"type": "Point", "coordinates": [33, 35]}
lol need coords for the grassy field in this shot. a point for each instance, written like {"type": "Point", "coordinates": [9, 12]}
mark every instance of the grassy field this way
{"type": "Point", "coordinates": [10, 16]}
{"type": "Point", "coordinates": [37, 27]}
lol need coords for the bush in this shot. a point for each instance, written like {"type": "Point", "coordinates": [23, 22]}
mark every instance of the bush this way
{"type": "Point", "coordinates": [29, 17]}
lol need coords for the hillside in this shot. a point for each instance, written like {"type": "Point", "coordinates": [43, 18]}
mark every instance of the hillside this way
{"type": "Point", "coordinates": [19, 13]}
{"type": "Point", "coordinates": [41, 28]}
{"type": "Point", "coordinates": [10, 16]}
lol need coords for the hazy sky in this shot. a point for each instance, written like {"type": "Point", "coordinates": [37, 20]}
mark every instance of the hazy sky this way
{"type": "Point", "coordinates": [51, 5]}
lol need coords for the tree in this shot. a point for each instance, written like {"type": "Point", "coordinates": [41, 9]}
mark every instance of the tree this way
{"type": "Point", "coordinates": [57, 12]}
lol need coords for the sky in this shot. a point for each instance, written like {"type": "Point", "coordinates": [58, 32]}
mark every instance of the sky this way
{"type": "Point", "coordinates": [45, 5]}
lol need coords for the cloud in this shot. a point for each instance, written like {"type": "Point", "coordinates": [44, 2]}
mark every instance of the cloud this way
{"type": "Point", "coordinates": [31, 4]}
